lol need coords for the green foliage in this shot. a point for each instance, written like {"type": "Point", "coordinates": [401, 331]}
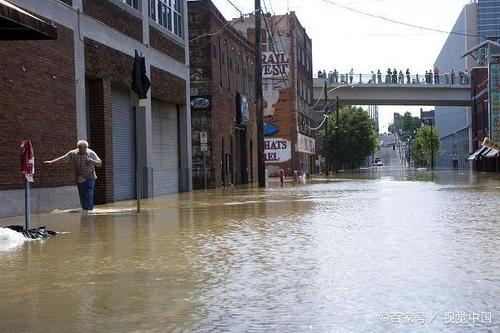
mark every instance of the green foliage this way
{"type": "Point", "coordinates": [357, 137]}
{"type": "Point", "coordinates": [407, 124]}
{"type": "Point", "coordinates": [421, 146]}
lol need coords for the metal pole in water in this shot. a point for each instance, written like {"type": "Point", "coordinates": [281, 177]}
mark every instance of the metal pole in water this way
{"type": "Point", "coordinates": [137, 161]}
{"type": "Point", "coordinates": [205, 169]}
{"type": "Point", "coordinates": [27, 206]}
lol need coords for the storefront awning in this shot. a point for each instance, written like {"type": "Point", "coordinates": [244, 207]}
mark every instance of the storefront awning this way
{"type": "Point", "coordinates": [483, 152]}
{"type": "Point", "coordinates": [18, 24]}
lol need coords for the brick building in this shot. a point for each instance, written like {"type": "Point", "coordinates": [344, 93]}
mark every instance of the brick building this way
{"type": "Point", "coordinates": [480, 119]}
{"type": "Point", "coordinates": [77, 87]}
{"type": "Point", "coordinates": [287, 92]}
{"type": "Point", "coordinates": [222, 99]}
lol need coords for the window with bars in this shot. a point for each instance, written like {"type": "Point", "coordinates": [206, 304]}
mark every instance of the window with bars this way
{"type": "Point", "coordinates": [167, 13]}
{"type": "Point", "coordinates": [132, 3]}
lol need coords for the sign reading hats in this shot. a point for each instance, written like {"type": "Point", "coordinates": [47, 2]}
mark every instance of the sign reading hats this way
{"type": "Point", "coordinates": [277, 150]}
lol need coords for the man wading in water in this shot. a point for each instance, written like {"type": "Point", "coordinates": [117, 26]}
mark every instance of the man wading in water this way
{"type": "Point", "coordinates": [84, 161]}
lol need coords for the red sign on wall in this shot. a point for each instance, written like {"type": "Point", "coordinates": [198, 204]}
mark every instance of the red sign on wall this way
{"type": "Point", "coordinates": [27, 161]}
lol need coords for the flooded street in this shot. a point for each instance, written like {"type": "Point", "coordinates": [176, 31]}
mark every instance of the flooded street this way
{"type": "Point", "coordinates": [341, 255]}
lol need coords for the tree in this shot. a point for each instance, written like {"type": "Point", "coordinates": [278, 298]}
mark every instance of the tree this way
{"type": "Point", "coordinates": [408, 125]}
{"type": "Point", "coordinates": [356, 135]}
{"type": "Point", "coordinates": [421, 146]}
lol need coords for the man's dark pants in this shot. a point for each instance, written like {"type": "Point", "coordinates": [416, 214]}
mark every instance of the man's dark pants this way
{"type": "Point", "coordinates": [86, 193]}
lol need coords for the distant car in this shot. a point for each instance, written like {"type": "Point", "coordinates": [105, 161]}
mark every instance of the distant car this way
{"type": "Point", "coordinates": [379, 163]}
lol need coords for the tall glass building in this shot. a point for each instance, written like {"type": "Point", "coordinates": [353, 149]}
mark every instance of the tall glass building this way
{"type": "Point", "coordinates": [488, 19]}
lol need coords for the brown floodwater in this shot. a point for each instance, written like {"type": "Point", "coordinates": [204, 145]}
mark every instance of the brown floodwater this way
{"type": "Point", "coordinates": [350, 254]}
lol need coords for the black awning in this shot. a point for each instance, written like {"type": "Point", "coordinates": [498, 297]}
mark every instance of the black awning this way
{"type": "Point", "coordinates": [18, 24]}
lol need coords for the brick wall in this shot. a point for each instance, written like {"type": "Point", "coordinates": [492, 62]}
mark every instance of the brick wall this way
{"type": "Point", "coordinates": [167, 87]}
{"type": "Point", "coordinates": [159, 41]}
{"type": "Point", "coordinates": [101, 136]}
{"type": "Point", "coordinates": [114, 16]}
{"type": "Point", "coordinates": [37, 101]}
{"type": "Point", "coordinates": [217, 70]}
{"type": "Point", "coordinates": [106, 63]}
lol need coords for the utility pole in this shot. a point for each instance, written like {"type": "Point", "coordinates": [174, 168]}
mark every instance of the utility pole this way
{"type": "Point", "coordinates": [337, 164]}
{"type": "Point", "coordinates": [432, 147]}
{"type": "Point", "coordinates": [258, 96]}
{"type": "Point", "coordinates": [327, 155]}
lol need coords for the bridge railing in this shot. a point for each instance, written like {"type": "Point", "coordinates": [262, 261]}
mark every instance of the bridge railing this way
{"type": "Point", "coordinates": [447, 79]}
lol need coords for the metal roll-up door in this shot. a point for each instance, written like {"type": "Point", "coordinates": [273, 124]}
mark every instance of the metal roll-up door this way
{"type": "Point", "coordinates": [165, 148]}
{"type": "Point", "coordinates": [123, 145]}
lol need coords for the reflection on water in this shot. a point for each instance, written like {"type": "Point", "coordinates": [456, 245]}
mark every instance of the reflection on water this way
{"type": "Point", "coordinates": [327, 255]}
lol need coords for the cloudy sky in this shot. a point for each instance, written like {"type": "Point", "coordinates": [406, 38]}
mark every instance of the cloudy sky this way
{"type": "Point", "coordinates": [344, 39]}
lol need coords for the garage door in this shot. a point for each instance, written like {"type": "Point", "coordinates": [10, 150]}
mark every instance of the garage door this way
{"type": "Point", "coordinates": [165, 149]}
{"type": "Point", "coordinates": [123, 145]}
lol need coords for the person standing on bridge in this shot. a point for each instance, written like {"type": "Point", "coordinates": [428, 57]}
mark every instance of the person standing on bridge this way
{"type": "Point", "coordinates": [447, 77]}
{"type": "Point", "coordinates": [452, 76]}
{"type": "Point", "coordinates": [395, 76]}
{"type": "Point", "coordinates": [379, 77]}
{"type": "Point", "coordinates": [436, 75]}
{"type": "Point", "coordinates": [335, 76]}
{"type": "Point", "coordinates": [401, 77]}
{"type": "Point", "coordinates": [351, 75]}
{"type": "Point", "coordinates": [388, 76]}
{"type": "Point", "coordinates": [374, 78]}
{"type": "Point", "coordinates": [408, 76]}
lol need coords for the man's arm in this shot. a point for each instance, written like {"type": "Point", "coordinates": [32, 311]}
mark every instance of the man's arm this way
{"type": "Point", "coordinates": [95, 159]}
{"type": "Point", "coordinates": [55, 160]}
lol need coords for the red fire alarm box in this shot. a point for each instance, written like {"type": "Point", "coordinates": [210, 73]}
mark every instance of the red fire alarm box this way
{"type": "Point", "coordinates": [27, 161]}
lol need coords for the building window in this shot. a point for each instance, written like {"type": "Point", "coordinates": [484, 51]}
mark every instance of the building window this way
{"type": "Point", "coordinates": [132, 3]}
{"type": "Point", "coordinates": [167, 13]}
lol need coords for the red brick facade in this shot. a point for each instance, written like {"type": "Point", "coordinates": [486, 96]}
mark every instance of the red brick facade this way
{"type": "Point", "coordinates": [38, 97]}
{"type": "Point", "coordinates": [221, 68]}
{"type": "Point", "coordinates": [158, 41]}
{"type": "Point", "coordinates": [101, 136]}
{"type": "Point", "coordinates": [114, 16]}
{"type": "Point", "coordinates": [167, 87]}
{"type": "Point", "coordinates": [480, 120]}
{"type": "Point", "coordinates": [37, 102]}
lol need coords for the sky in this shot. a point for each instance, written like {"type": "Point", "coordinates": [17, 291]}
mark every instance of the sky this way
{"type": "Point", "coordinates": [344, 39]}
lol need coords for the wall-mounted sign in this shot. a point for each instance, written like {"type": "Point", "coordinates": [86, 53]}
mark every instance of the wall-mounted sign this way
{"type": "Point", "coordinates": [494, 98]}
{"type": "Point", "coordinates": [275, 64]}
{"type": "Point", "coordinates": [203, 137]}
{"type": "Point", "coordinates": [201, 102]}
{"type": "Point", "coordinates": [277, 150]}
{"type": "Point", "coordinates": [305, 144]}
{"type": "Point", "coordinates": [242, 110]}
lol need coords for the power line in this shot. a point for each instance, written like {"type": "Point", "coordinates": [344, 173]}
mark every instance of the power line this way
{"type": "Point", "coordinates": [235, 7]}
{"type": "Point", "coordinates": [214, 33]}
{"type": "Point", "coordinates": [396, 21]}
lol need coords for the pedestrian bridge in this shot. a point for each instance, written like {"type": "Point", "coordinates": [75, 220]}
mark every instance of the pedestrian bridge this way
{"type": "Point", "coordinates": [415, 94]}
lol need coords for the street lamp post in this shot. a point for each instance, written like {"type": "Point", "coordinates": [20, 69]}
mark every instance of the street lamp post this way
{"type": "Point", "coordinates": [337, 127]}
{"type": "Point", "coordinates": [326, 131]}
{"type": "Point", "coordinates": [337, 136]}
{"type": "Point", "coordinates": [432, 147]}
